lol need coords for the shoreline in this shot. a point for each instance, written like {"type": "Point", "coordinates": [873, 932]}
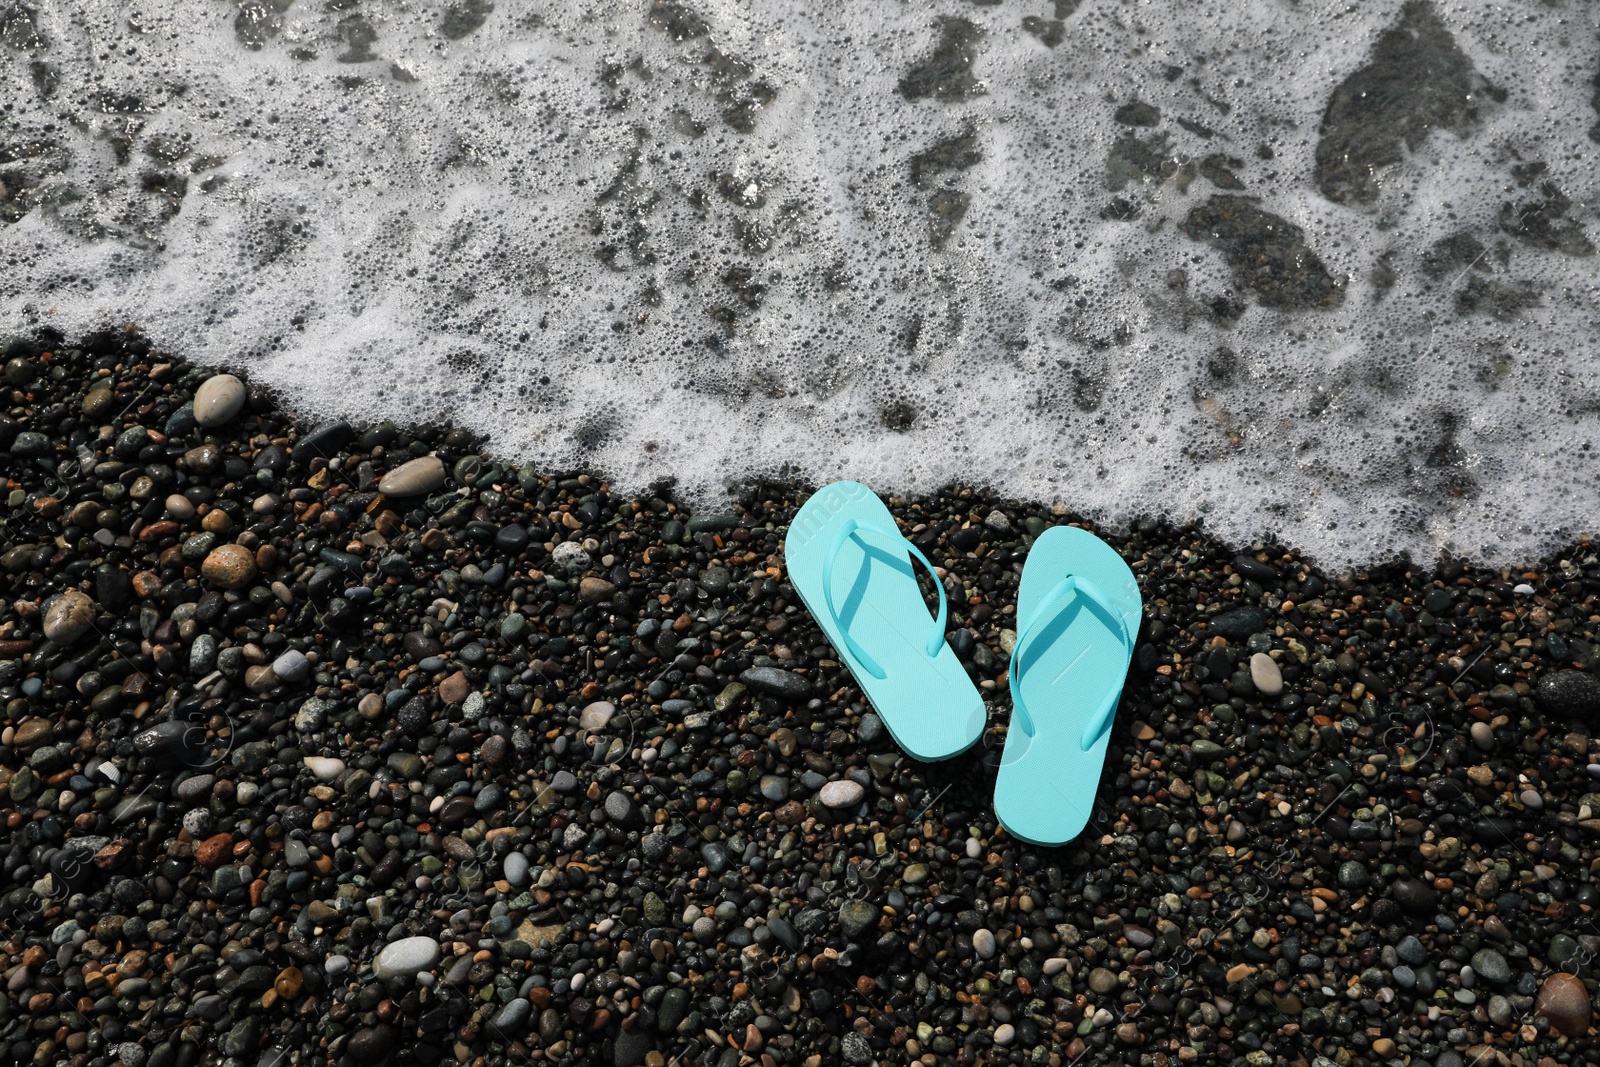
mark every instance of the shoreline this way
{"type": "Point", "coordinates": [507, 726]}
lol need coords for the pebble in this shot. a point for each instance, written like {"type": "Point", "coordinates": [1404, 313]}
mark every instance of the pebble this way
{"type": "Point", "coordinates": [407, 956]}
{"type": "Point", "coordinates": [983, 944]}
{"type": "Point", "coordinates": [1564, 1000]}
{"type": "Point", "coordinates": [1482, 736]}
{"type": "Point", "coordinates": [1004, 1034]}
{"type": "Point", "coordinates": [68, 616]}
{"type": "Point", "coordinates": [774, 682]}
{"type": "Point", "coordinates": [1238, 623]}
{"type": "Point", "coordinates": [595, 716]}
{"type": "Point", "coordinates": [230, 566]}
{"type": "Point", "coordinates": [324, 768]}
{"type": "Point", "coordinates": [841, 794]}
{"type": "Point", "coordinates": [871, 728]}
{"type": "Point", "coordinates": [218, 400]}
{"type": "Point", "coordinates": [1573, 694]}
{"type": "Point", "coordinates": [511, 1019]}
{"type": "Point", "coordinates": [570, 556]}
{"type": "Point", "coordinates": [1265, 674]}
{"type": "Point", "coordinates": [292, 667]}
{"type": "Point", "coordinates": [856, 917]}
{"type": "Point", "coordinates": [1492, 966]}
{"type": "Point", "coordinates": [1102, 981]}
{"type": "Point", "coordinates": [416, 477]}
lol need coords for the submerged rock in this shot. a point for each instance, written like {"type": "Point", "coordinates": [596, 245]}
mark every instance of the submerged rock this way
{"type": "Point", "coordinates": [1418, 80]}
{"type": "Point", "coordinates": [1267, 253]}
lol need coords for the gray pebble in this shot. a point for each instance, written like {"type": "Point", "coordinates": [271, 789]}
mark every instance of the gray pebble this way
{"type": "Point", "coordinates": [408, 956]}
{"type": "Point", "coordinates": [419, 476]}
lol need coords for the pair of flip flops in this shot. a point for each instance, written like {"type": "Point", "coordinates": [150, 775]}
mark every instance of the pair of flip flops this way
{"type": "Point", "coordinates": [1078, 611]}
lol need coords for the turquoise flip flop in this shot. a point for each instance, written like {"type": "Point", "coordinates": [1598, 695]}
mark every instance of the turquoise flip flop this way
{"type": "Point", "coordinates": [1078, 612]}
{"type": "Point", "coordinates": [853, 569]}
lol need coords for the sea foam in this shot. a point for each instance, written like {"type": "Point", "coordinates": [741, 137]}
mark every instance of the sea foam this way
{"type": "Point", "coordinates": [1318, 271]}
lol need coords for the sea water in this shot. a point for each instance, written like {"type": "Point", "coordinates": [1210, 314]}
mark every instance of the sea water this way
{"type": "Point", "coordinates": [1320, 271]}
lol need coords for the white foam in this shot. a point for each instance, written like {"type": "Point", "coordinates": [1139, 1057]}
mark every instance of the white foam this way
{"type": "Point", "coordinates": [423, 233]}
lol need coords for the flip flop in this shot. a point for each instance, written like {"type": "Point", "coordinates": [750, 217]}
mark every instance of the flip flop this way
{"type": "Point", "coordinates": [1078, 611]}
{"type": "Point", "coordinates": [853, 569]}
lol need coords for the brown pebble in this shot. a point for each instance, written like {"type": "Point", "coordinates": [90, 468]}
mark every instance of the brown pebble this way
{"type": "Point", "coordinates": [230, 566]}
{"type": "Point", "coordinates": [288, 983]}
{"type": "Point", "coordinates": [594, 590]}
{"type": "Point", "coordinates": [213, 850]}
{"type": "Point", "coordinates": [217, 521]}
{"type": "Point", "coordinates": [32, 732]}
{"type": "Point", "coordinates": [1565, 1002]}
{"type": "Point", "coordinates": [454, 689]}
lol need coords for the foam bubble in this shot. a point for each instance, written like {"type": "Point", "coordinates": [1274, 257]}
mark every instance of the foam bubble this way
{"type": "Point", "coordinates": [1020, 245]}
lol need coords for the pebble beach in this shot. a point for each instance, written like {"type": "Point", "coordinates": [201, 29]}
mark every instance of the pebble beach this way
{"type": "Point", "coordinates": [356, 744]}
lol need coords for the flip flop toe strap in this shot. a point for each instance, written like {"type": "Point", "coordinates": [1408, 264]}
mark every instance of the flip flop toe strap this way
{"type": "Point", "coordinates": [1072, 589]}
{"type": "Point", "coordinates": [848, 529]}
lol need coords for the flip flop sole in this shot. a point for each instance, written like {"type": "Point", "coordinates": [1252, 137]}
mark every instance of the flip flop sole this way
{"type": "Point", "coordinates": [928, 704]}
{"type": "Point", "coordinates": [1044, 793]}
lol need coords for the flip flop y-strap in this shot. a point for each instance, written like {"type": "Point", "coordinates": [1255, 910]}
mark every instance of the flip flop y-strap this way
{"type": "Point", "coordinates": [1066, 591]}
{"type": "Point", "coordinates": [847, 530]}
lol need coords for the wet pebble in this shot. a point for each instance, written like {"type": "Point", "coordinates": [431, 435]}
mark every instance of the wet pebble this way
{"type": "Point", "coordinates": [414, 477]}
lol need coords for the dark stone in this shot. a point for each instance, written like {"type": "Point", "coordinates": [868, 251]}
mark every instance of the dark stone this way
{"type": "Point", "coordinates": [1417, 81]}
{"type": "Point", "coordinates": [1573, 694]}
{"type": "Point", "coordinates": [956, 153]}
{"type": "Point", "coordinates": [774, 682]}
{"type": "Point", "coordinates": [1255, 570]}
{"type": "Point", "coordinates": [372, 1044]}
{"type": "Point", "coordinates": [169, 742]}
{"type": "Point", "coordinates": [325, 441]}
{"type": "Point", "coordinates": [513, 538]}
{"type": "Point", "coordinates": [1413, 895]}
{"type": "Point", "coordinates": [1138, 113]}
{"type": "Point", "coordinates": [631, 1048]}
{"type": "Point", "coordinates": [947, 73]}
{"type": "Point", "coordinates": [413, 716]}
{"type": "Point", "coordinates": [112, 586]}
{"type": "Point", "coordinates": [1266, 253]}
{"type": "Point", "coordinates": [1240, 622]}
{"type": "Point", "coordinates": [73, 866]}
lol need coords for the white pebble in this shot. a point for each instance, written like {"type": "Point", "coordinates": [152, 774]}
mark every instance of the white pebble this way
{"type": "Point", "coordinates": [406, 957]}
{"type": "Point", "coordinates": [596, 715]}
{"type": "Point", "coordinates": [1266, 675]}
{"type": "Point", "coordinates": [218, 399]}
{"type": "Point", "coordinates": [841, 794]}
{"type": "Point", "coordinates": [325, 768]}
